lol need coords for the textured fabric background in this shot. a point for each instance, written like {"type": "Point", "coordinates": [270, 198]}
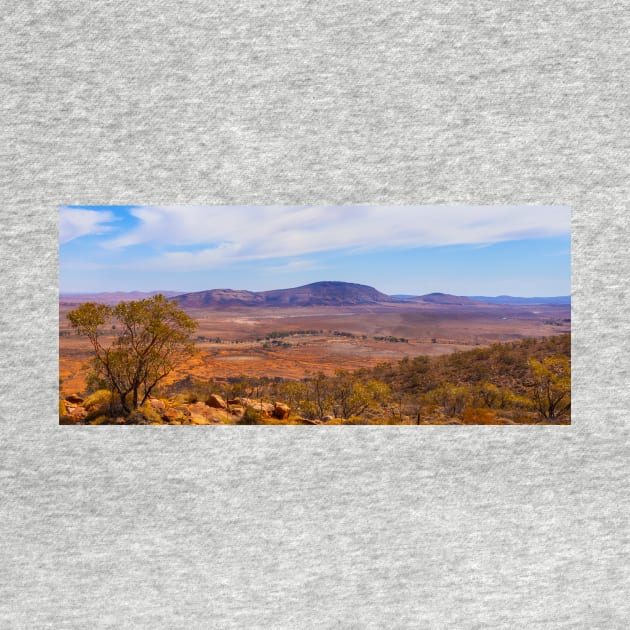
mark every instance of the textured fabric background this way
{"type": "Point", "coordinates": [314, 102]}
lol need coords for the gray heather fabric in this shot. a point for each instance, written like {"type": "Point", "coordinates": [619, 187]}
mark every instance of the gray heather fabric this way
{"type": "Point", "coordinates": [314, 102]}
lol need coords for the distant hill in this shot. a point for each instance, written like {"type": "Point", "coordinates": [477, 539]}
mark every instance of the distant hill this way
{"type": "Point", "coordinates": [437, 298]}
{"type": "Point", "coordinates": [508, 299]}
{"type": "Point", "coordinates": [113, 297]}
{"type": "Point", "coordinates": [221, 297]}
{"type": "Point", "coordinates": [317, 294]}
{"type": "Point", "coordinates": [444, 298]}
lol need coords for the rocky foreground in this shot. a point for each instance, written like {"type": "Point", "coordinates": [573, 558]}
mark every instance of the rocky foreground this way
{"type": "Point", "coordinates": [97, 409]}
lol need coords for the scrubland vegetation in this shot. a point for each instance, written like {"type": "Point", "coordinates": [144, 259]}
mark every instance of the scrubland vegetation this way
{"type": "Point", "coordinates": [521, 382]}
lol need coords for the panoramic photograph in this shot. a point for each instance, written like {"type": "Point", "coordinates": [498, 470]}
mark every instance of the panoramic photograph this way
{"type": "Point", "coordinates": [314, 315]}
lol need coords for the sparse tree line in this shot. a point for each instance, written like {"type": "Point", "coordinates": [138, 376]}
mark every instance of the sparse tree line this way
{"type": "Point", "coordinates": [525, 381]}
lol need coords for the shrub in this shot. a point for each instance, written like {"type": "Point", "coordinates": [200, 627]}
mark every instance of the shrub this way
{"type": "Point", "coordinates": [251, 416]}
{"type": "Point", "coordinates": [478, 415]}
{"type": "Point", "coordinates": [99, 399]}
{"type": "Point", "coordinates": [152, 415]}
{"type": "Point", "coordinates": [155, 334]}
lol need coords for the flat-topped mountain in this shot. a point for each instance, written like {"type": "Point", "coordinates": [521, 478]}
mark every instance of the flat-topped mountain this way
{"type": "Point", "coordinates": [327, 293]}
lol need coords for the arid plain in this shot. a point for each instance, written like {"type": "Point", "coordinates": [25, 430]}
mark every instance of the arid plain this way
{"type": "Point", "coordinates": [294, 342]}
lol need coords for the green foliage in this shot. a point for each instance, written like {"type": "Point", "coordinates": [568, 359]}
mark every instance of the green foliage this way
{"type": "Point", "coordinates": [151, 414]}
{"type": "Point", "coordinates": [352, 397]}
{"type": "Point", "coordinates": [151, 335]}
{"type": "Point", "coordinates": [292, 392]}
{"type": "Point", "coordinates": [95, 381]}
{"type": "Point", "coordinates": [251, 416]}
{"type": "Point", "coordinates": [453, 399]}
{"type": "Point", "coordinates": [512, 379]}
{"type": "Point", "coordinates": [99, 399]}
{"type": "Point", "coordinates": [552, 386]}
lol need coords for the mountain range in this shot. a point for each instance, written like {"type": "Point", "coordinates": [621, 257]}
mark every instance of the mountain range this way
{"type": "Point", "coordinates": [326, 293]}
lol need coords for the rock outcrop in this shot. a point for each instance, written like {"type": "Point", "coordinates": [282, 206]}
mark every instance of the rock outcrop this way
{"type": "Point", "coordinates": [215, 410]}
{"type": "Point", "coordinates": [281, 411]}
{"type": "Point", "coordinates": [157, 404]}
{"type": "Point", "coordinates": [215, 401]}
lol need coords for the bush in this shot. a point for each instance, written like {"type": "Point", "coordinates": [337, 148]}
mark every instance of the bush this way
{"type": "Point", "coordinates": [152, 415]}
{"type": "Point", "coordinates": [478, 415]}
{"type": "Point", "coordinates": [99, 399]}
{"type": "Point", "coordinates": [251, 416]}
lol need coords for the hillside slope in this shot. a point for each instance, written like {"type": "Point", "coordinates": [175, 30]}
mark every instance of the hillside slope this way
{"type": "Point", "coordinates": [327, 293]}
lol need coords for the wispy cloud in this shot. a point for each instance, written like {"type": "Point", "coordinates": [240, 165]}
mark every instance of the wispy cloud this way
{"type": "Point", "coordinates": [76, 222]}
{"type": "Point", "coordinates": [292, 266]}
{"type": "Point", "coordinates": [224, 235]}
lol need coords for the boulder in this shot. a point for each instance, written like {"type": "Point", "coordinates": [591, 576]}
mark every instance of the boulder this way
{"type": "Point", "coordinates": [213, 415]}
{"type": "Point", "coordinates": [327, 418]}
{"type": "Point", "coordinates": [216, 402]}
{"type": "Point", "coordinates": [172, 415]}
{"type": "Point", "coordinates": [74, 399]}
{"type": "Point", "coordinates": [266, 410]}
{"type": "Point", "coordinates": [77, 413]}
{"type": "Point", "coordinates": [157, 404]}
{"type": "Point", "coordinates": [281, 411]}
{"type": "Point", "coordinates": [199, 408]}
{"type": "Point", "coordinates": [237, 412]}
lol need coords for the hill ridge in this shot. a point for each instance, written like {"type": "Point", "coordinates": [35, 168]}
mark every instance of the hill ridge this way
{"type": "Point", "coordinates": [322, 293]}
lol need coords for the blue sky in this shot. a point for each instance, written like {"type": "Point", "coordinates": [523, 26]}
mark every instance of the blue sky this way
{"type": "Point", "coordinates": [464, 250]}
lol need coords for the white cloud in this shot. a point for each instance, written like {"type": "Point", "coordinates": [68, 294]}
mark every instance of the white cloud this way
{"type": "Point", "coordinates": [76, 222]}
{"type": "Point", "coordinates": [228, 234]}
{"type": "Point", "coordinates": [296, 265]}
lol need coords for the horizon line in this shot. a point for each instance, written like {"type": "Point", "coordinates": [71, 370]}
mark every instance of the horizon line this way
{"type": "Point", "coordinates": [176, 292]}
